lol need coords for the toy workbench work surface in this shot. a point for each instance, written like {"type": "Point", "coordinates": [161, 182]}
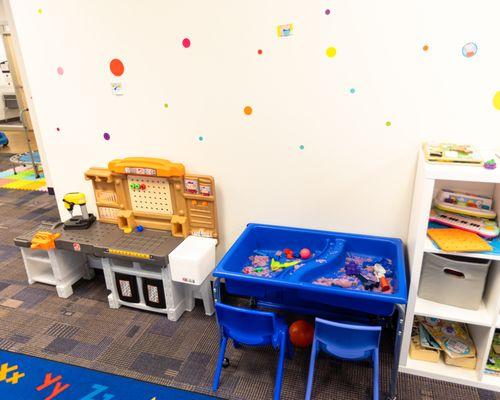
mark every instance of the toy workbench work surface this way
{"type": "Point", "coordinates": [155, 239]}
{"type": "Point", "coordinates": [318, 273]}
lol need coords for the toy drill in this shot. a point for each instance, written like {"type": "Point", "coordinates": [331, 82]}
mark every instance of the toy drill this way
{"type": "Point", "coordinates": [83, 221]}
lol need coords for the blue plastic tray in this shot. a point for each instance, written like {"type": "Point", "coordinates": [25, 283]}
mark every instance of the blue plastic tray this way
{"type": "Point", "coordinates": [295, 288]}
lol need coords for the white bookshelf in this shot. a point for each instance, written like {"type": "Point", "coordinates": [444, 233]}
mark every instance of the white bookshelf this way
{"type": "Point", "coordinates": [430, 178]}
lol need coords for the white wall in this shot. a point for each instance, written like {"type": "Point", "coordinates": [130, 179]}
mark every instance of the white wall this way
{"type": "Point", "coordinates": [354, 174]}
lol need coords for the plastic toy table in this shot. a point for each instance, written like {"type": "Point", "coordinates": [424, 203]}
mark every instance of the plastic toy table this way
{"type": "Point", "coordinates": [339, 274]}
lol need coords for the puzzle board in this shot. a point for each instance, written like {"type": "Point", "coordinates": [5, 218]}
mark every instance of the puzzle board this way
{"type": "Point", "coordinates": [153, 194]}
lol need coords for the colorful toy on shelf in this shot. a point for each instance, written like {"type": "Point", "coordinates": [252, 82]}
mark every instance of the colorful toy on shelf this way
{"type": "Point", "coordinates": [155, 193]}
{"type": "Point", "coordinates": [486, 228]}
{"type": "Point", "coordinates": [465, 203]}
{"type": "Point", "coordinates": [301, 333]}
{"type": "Point", "coordinates": [451, 153]}
{"type": "Point", "coordinates": [83, 221]}
{"type": "Point", "coordinates": [490, 164]}
{"type": "Point", "coordinates": [458, 240]}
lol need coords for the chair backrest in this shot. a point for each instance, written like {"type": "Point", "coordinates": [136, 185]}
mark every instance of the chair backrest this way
{"type": "Point", "coordinates": [251, 327]}
{"type": "Point", "coordinates": [346, 340]}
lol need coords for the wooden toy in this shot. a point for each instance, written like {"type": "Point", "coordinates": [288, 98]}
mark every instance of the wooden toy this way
{"type": "Point", "coordinates": [483, 227]}
{"type": "Point", "coordinates": [155, 193]}
{"type": "Point", "coordinates": [452, 153]}
{"type": "Point", "coordinates": [457, 240]}
{"type": "Point", "coordinates": [465, 203]}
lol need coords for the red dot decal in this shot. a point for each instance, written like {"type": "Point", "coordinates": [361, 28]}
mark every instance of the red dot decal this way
{"type": "Point", "coordinates": [259, 51]}
{"type": "Point", "coordinates": [186, 42]}
{"type": "Point", "coordinates": [117, 68]}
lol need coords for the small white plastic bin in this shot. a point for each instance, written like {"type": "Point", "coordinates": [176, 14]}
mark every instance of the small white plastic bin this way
{"type": "Point", "coordinates": [193, 260]}
{"type": "Point", "coordinates": [454, 280]}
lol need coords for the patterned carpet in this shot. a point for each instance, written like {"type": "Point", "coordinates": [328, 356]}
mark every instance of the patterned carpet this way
{"type": "Point", "coordinates": [82, 330]}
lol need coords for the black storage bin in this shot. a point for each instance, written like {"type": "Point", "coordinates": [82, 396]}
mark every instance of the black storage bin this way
{"type": "Point", "coordinates": [154, 295]}
{"type": "Point", "coordinates": [127, 288]}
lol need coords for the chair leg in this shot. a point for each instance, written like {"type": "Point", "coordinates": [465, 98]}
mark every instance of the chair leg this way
{"type": "Point", "coordinates": [279, 372]}
{"type": "Point", "coordinates": [290, 350]}
{"type": "Point", "coordinates": [310, 375]}
{"type": "Point", "coordinates": [220, 360]}
{"type": "Point", "coordinates": [375, 374]}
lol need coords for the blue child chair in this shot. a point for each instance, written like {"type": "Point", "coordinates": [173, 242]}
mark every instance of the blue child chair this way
{"type": "Point", "coordinates": [252, 328]}
{"type": "Point", "coordinates": [348, 342]}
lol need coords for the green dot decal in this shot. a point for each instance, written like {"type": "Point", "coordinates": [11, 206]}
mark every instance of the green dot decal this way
{"type": "Point", "coordinates": [388, 123]}
{"type": "Point", "coordinates": [352, 90]}
{"type": "Point", "coordinates": [39, 11]}
{"type": "Point", "coordinates": [200, 138]}
{"type": "Point", "coordinates": [301, 147]}
{"type": "Point", "coordinates": [165, 105]}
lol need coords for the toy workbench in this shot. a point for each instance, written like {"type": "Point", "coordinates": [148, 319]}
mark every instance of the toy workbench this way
{"type": "Point", "coordinates": [155, 238]}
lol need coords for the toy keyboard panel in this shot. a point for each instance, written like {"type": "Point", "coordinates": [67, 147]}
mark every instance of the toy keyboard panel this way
{"type": "Point", "coordinates": [483, 227]}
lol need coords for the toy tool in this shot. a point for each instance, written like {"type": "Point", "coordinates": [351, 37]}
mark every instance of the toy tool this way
{"type": "Point", "coordinates": [83, 221]}
{"type": "Point", "coordinates": [465, 203]}
{"type": "Point", "coordinates": [483, 227]}
{"type": "Point", "coordinates": [380, 272]}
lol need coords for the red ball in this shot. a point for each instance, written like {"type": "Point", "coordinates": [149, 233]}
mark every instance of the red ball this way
{"type": "Point", "coordinates": [301, 333]}
{"type": "Point", "coordinates": [305, 253]}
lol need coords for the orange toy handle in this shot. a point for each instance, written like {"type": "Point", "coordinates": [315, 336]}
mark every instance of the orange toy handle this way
{"type": "Point", "coordinates": [384, 284]}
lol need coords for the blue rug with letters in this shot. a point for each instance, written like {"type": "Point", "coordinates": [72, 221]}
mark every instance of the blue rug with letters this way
{"type": "Point", "coordinates": [31, 378]}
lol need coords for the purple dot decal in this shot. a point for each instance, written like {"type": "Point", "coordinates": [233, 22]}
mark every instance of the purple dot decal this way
{"type": "Point", "coordinates": [58, 129]}
{"type": "Point", "coordinates": [186, 42]}
{"type": "Point", "coordinates": [327, 11]}
{"type": "Point", "coordinates": [60, 70]}
{"type": "Point", "coordinates": [106, 136]}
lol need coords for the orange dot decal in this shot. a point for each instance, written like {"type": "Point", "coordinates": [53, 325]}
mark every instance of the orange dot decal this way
{"type": "Point", "coordinates": [116, 66]}
{"type": "Point", "coordinates": [248, 110]}
{"type": "Point", "coordinates": [425, 48]}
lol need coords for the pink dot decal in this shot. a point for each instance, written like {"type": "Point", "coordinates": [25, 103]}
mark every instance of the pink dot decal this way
{"type": "Point", "coordinates": [327, 11]}
{"type": "Point", "coordinates": [106, 136]}
{"type": "Point", "coordinates": [60, 70]}
{"type": "Point", "coordinates": [186, 42]}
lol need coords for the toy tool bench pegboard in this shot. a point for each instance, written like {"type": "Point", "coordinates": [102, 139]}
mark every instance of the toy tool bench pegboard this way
{"type": "Point", "coordinates": [155, 193]}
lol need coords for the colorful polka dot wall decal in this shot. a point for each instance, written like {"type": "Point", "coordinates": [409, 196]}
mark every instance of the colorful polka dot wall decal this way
{"type": "Point", "coordinates": [58, 129]}
{"type": "Point", "coordinates": [39, 11]}
{"type": "Point", "coordinates": [259, 51]}
{"type": "Point", "coordinates": [60, 70]}
{"type": "Point", "coordinates": [106, 136]}
{"type": "Point", "coordinates": [331, 52]}
{"type": "Point", "coordinates": [496, 100]}
{"type": "Point", "coordinates": [327, 11]}
{"type": "Point", "coordinates": [388, 123]}
{"type": "Point", "coordinates": [116, 67]}
{"type": "Point", "coordinates": [425, 47]}
{"type": "Point", "coordinates": [301, 147]}
{"type": "Point", "coordinates": [201, 138]}
{"type": "Point", "coordinates": [469, 50]}
{"type": "Point", "coordinates": [352, 90]}
{"type": "Point", "coordinates": [186, 42]}
{"type": "Point", "coordinates": [248, 110]}
{"type": "Point", "coordinates": [165, 105]}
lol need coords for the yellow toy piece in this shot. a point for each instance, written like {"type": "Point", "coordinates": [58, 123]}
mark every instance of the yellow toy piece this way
{"type": "Point", "coordinates": [44, 240]}
{"type": "Point", "coordinates": [276, 265]}
{"type": "Point", "coordinates": [72, 199]}
{"type": "Point", "coordinates": [457, 240]}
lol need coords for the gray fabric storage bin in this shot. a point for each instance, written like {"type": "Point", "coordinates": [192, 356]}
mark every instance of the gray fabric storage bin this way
{"type": "Point", "coordinates": [454, 280]}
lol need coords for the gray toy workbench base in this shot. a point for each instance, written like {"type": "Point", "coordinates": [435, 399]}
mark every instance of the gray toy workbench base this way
{"type": "Point", "coordinates": [136, 267]}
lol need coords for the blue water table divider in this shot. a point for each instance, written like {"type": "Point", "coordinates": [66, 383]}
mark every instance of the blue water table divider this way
{"type": "Point", "coordinates": [310, 286]}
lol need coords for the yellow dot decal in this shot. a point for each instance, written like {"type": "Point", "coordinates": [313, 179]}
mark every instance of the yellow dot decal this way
{"type": "Point", "coordinates": [331, 52]}
{"type": "Point", "coordinates": [496, 100]}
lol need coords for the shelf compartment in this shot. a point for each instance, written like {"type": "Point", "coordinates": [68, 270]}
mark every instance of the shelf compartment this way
{"type": "Point", "coordinates": [428, 308]}
{"type": "Point", "coordinates": [441, 371]}
{"type": "Point", "coordinates": [430, 247]}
